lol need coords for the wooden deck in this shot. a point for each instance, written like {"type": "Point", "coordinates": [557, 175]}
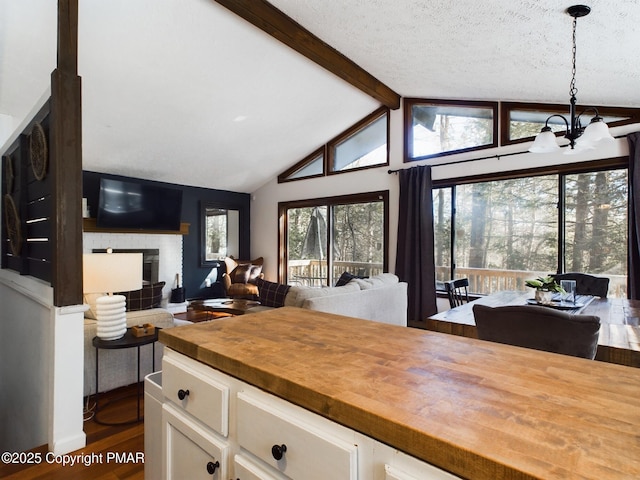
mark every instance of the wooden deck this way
{"type": "Point", "coordinates": [619, 340]}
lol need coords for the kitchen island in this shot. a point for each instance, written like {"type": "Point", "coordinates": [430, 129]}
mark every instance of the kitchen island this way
{"type": "Point", "coordinates": [477, 409]}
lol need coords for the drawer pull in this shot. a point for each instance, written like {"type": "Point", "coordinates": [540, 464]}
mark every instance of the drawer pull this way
{"type": "Point", "coordinates": [182, 394]}
{"type": "Point", "coordinates": [278, 451]}
{"type": "Point", "coordinates": [212, 467]}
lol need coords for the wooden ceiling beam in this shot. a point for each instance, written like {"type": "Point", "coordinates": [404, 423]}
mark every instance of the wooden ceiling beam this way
{"type": "Point", "coordinates": [269, 19]}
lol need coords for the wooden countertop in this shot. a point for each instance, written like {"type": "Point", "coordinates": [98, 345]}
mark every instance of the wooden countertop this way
{"type": "Point", "coordinates": [478, 409]}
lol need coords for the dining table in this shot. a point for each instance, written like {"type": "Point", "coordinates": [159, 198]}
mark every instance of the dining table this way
{"type": "Point", "coordinates": [619, 338]}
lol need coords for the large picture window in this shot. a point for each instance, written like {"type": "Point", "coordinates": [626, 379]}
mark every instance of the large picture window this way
{"type": "Point", "coordinates": [323, 238]}
{"type": "Point", "coordinates": [503, 232]}
{"type": "Point", "coordinates": [444, 127]}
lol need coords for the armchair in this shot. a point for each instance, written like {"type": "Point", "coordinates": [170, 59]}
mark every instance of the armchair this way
{"type": "Point", "coordinates": [238, 281]}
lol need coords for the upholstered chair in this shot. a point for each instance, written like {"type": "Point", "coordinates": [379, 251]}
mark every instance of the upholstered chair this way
{"type": "Point", "coordinates": [541, 328]}
{"type": "Point", "coordinates": [240, 276]}
{"type": "Point", "coordinates": [586, 284]}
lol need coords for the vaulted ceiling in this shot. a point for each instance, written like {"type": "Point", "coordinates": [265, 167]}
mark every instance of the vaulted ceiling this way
{"type": "Point", "coordinates": [186, 91]}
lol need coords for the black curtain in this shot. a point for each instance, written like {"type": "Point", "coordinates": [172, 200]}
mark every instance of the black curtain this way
{"type": "Point", "coordinates": [415, 262]}
{"type": "Point", "coordinates": [633, 287]}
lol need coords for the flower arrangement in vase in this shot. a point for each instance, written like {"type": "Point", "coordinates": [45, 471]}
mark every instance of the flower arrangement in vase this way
{"type": "Point", "coordinates": [545, 287]}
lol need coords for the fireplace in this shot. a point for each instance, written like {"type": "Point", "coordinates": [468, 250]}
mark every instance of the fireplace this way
{"type": "Point", "coordinates": [150, 261]}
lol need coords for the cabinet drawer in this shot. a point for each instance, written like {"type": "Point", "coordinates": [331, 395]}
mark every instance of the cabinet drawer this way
{"type": "Point", "coordinates": [401, 466]}
{"type": "Point", "coordinates": [190, 450]}
{"type": "Point", "coordinates": [312, 450]}
{"type": "Point", "coordinates": [246, 469]}
{"type": "Point", "coordinates": [204, 394]}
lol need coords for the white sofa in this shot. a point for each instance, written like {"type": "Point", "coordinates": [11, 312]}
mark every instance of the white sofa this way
{"type": "Point", "coordinates": [118, 367]}
{"type": "Point", "coordinates": [382, 298]}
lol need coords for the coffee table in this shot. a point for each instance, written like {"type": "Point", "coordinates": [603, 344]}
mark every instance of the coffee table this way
{"type": "Point", "coordinates": [231, 306]}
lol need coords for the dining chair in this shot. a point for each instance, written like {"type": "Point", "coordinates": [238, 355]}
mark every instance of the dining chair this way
{"type": "Point", "coordinates": [540, 328]}
{"type": "Point", "coordinates": [457, 291]}
{"type": "Point", "coordinates": [586, 284]}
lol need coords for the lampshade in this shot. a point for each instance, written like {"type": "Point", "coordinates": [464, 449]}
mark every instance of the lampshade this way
{"type": "Point", "coordinates": [595, 132]}
{"type": "Point", "coordinates": [108, 273]}
{"type": "Point", "coordinates": [545, 142]}
{"type": "Point", "coordinates": [111, 272]}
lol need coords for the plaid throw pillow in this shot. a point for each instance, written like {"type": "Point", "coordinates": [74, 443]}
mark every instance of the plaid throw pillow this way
{"type": "Point", "coordinates": [149, 296]}
{"type": "Point", "coordinates": [271, 294]}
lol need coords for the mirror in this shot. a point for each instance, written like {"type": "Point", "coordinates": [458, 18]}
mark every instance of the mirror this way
{"type": "Point", "coordinates": [220, 231]}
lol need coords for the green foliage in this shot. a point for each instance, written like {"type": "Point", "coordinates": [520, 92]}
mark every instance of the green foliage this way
{"type": "Point", "coordinates": [545, 284]}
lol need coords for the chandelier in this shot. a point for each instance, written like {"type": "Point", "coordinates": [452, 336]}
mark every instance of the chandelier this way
{"type": "Point", "coordinates": [579, 138]}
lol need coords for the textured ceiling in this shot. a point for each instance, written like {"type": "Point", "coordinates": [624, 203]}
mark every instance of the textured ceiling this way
{"type": "Point", "coordinates": [186, 92]}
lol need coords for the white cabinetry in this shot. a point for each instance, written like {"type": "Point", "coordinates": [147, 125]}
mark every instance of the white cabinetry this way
{"type": "Point", "coordinates": [217, 427]}
{"type": "Point", "coordinates": [291, 441]}
{"type": "Point", "coordinates": [192, 451]}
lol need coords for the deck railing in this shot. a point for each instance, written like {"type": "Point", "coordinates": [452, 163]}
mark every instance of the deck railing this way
{"type": "Point", "coordinates": [487, 281]}
{"type": "Point", "coordinates": [314, 272]}
{"type": "Point", "coordinates": [481, 280]}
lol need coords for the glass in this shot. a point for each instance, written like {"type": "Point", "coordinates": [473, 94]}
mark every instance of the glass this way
{"type": "Point", "coordinates": [220, 233]}
{"type": "Point", "coordinates": [596, 226]}
{"type": "Point", "coordinates": [358, 239]}
{"type": "Point", "coordinates": [441, 128]}
{"type": "Point", "coordinates": [506, 232]}
{"type": "Point", "coordinates": [307, 246]}
{"type": "Point", "coordinates": [569, 293]}
{"type": "Point", "coordinates": [365, 148]}
{"type": "Point", "coordinates": [442, 234]}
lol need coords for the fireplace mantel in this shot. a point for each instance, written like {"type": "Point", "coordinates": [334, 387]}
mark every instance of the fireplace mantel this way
{"type": "Point", "coordinates": [89, 225]}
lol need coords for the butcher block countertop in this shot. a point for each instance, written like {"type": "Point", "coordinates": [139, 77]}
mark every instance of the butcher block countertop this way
{"type": "Point", "coordinates": [478, 409]}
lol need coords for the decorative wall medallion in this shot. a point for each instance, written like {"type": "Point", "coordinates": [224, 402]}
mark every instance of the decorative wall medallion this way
{"type": "Point", "coordinates": [8, 174]}
{"type": "Point", "coordinates": [38, 151]}
{"type": "Point", "coordinates": [12, 221]}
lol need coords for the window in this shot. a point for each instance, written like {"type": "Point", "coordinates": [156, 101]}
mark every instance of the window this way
{"type": "Point", "coordinates": [436, 127]}
{"type": "Point", "coordinates": [325, 237]}
{"type": "Point", "coordinates": [364, 145]}
{"type": "Point", "coordinates": [220, 233]}
{"type": "Point", "coordinates": [521, 122]}
{"type": "Point", "coordinates": [309, 167]}
{"type": "Point", "coordinates": [507, 231]}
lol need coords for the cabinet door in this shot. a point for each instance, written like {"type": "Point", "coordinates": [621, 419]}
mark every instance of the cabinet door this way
{"type": "Point", "coordinates": [299, 444]}
{"type": "Point", "coordinates": [246, 469]}
{"type": "Point", "coordinates": [190, 451]}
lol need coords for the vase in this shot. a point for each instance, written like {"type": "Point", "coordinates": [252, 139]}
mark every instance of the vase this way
{"type": "Point", "coordinates": [544, 297]}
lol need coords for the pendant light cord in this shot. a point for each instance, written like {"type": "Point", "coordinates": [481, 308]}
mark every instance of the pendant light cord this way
{"type": "Point", "coordinates": [572, 89]}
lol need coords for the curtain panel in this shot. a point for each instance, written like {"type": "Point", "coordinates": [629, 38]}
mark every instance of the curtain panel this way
{"type": "Point", "coordinates": [633, 287]}
{"type": "Point", "coordinates": [415, 263]}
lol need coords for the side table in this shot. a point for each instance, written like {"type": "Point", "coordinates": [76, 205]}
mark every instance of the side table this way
{"type": "Point", "coordinates": [127, 341]}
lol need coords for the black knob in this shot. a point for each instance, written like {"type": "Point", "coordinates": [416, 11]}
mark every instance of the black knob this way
{"type": "Point", "coordinates": [212, 467]}
{"type": "Point", "coordinates": [182, 394]}
{"type": "Point", "coordinates": [278, 451]}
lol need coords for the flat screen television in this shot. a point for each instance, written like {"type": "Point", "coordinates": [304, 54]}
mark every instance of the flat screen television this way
{"type": "Point", "coordinates": [140, 206]}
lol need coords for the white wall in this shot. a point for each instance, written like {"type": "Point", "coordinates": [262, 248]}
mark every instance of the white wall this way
{"type": "Point", "coordinates": [170, 247]}
{"type": "Point", "coordinates": [264, 204]}
{"type": "Point", "coordinates": [41, 368]}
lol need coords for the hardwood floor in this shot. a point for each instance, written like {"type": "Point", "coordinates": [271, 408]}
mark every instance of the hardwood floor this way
{"type": "Point", "coordinates": [103, 442]}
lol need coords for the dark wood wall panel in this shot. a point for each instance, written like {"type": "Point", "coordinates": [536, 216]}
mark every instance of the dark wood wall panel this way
{"type": "Point", "coordinates": [33, 200]}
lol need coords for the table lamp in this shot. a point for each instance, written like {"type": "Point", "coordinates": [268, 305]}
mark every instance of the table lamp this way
{"type": "Point", "coordinates": [107, 273]}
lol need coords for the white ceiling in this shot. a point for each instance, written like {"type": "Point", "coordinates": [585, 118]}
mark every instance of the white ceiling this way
{"type": "Point", "coordinates": [186, 92]}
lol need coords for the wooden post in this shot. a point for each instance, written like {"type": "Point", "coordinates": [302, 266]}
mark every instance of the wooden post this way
{"type": "Point", "coordinates": [66, 161]}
